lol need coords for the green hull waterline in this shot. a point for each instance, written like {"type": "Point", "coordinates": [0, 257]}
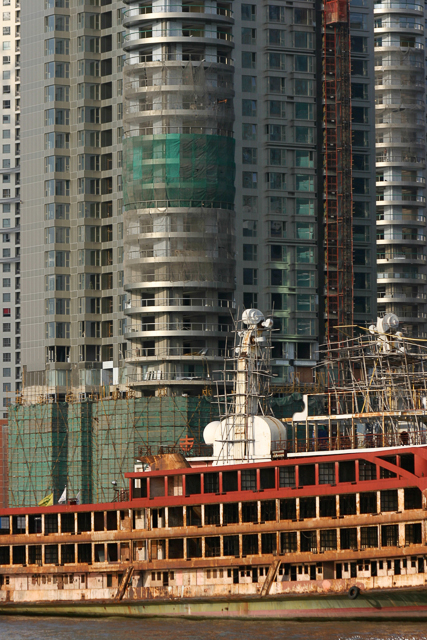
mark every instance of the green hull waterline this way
{"type": "Point", "coordinates": [401, 605]}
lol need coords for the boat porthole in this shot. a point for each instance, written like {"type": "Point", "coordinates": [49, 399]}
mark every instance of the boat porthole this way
{"type": "Point", "coordinates": [353, 593]}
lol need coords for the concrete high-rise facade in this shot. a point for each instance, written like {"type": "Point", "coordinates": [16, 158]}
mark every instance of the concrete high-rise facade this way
{"type": "Point", "coordinates": [72, 272]}
{"type": "Point", "coordinates": [401, 162]}
{"type": "Point", "coordinates": [250, 75]}
{"type": "Point", "coordinates": [10, 204]}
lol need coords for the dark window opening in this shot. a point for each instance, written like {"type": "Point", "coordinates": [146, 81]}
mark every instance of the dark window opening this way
{"type": "Point", "coordinates": [348, 504]}
{"type": "Point", "coordinates": [327, 507]}
{"type": "Point", "coordinates": [98, 519]}
{"type": "Point", "coordinates": [194, 516]}
{"type": "Point", "coordinates": [112, 553]}
{"type": "Point", "coordinates": [230, 513]}
{"type": "Point", "coordinates": [412, 498]}
{"type": "Point", "coordinates": [268, 510]}
{"type": "Point", "coordinates": [348, 538]}
{"type": "Point", "coordinates": [18, 555]}
{"type": "Point", "coordinates": [413, 533]}
{"type": "Point", "coordinates": [194, 548]}
{"type": "Point", "coordinates": [287, 476]}
{"type": "Point", "coordinates": [368, 502]}
{"type": "Point", "coordinates": [288, 542]}
{"type": "Point", "coordinates": [211, 514]}
{"type": "Point", "coordinates": [389, 500]}
{"type": "Point", "coordinates": [176, 549]}
{"type": "Point", "coordinates": [267, 478]}
{"type": "Point", "coordinates": [51, 554]}
{"type": "Point", "coordinates": [328, 540]}
{"type": "Point", "coordinates": [51, 523]}
{"type": "Point", "coordinates": [389, 535]}
{"type": "Point", "coordinates": [268, 543]}
{"type": "Point", "coordinates": [35, 524]}
{"type": "Point", "coordinates": [250, 545]}
{"type": "Point", "coordinates": [212, 547]}
{"type": "Point", "coordinates": [288, 509]}
{"type": "Point", "coordinates": [327, 473]}
{"type": "Point", "coordinates": [83, 522]}
{"type": "Point", "coordinates": [347, 471]}
{"type": "Point", "coordinates": [249, 480]}
{"type": "Point", "coordinates": [385, 473]}
{"type": "Point", "coordinates": [229, 481]}
{"type": "Point", "coordinates": [211, 482]}
{"type": "Point", "coordinates": [175, 517]}
{"type": "Point", "coordinates": [67, 554]}
{"type": "Point", "coordinates": [67, 522]}
{"type": "Point", "coordinates": [192, 484]}
{"type": "Point", "coordinates": [367, 470]}
{"type": "Point", "coordinates": [18, 524]}
{"type": "Point", "coordinates": [368, 537]}
{"type": "Point", "coordinates": [307, 508]}
{"type": "Point", "coordinates": [249, 512]}
{"type": "Point", "coordinates": [407, 462]}
{"type": "Point", "coordinates": [35, 554]}
{"type": "Point", "coordinates": [231, 545]}
{"type": "Point", "coordinates": [84, 552]}
{"type": "Point", "coordinates": [308, 541]}
{"type": "Point", "coordinates": [307, 475]}
{"type": "Point", "coordinates": [111, 520]}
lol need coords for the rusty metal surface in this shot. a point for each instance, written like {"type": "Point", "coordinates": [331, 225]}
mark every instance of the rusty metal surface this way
{"type": "Point", "coordinates": [165, 461]}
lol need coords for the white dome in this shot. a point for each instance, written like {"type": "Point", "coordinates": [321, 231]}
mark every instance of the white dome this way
{"type": "Point", "coordinates": [209, 432]}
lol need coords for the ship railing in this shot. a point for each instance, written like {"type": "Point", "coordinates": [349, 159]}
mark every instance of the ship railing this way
{"type": "Point", "coordinates": [345, 442]}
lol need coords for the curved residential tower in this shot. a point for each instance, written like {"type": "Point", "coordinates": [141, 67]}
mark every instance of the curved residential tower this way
{"type": "Point", "coordinates": [179, 191]}
{"type": "Point", "coordinates": [400, 161]}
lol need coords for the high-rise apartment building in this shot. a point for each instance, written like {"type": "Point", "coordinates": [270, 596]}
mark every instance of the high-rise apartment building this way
{"type": "Point", "coordinates": [72, 271]}
{"type": "Point", "coordinates": [401, 162]}
{"type": "Point", "coordinates": [10, 204]}
{"type": "Point", "coordinates": [200, 78]}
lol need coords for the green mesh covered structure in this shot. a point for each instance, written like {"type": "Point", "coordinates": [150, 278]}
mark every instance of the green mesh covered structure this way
{"type": "Point", "coordinates": [182, 170]}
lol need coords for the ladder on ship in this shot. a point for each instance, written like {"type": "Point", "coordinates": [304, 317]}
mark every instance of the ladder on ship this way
{"type": "Point", "coordinates": [124, 583]}
{"type": "Point", "coordinates": [271, 575]}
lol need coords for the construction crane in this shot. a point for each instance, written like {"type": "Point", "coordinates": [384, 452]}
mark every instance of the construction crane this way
{"type": "Point", "coordinates": [338, 171]}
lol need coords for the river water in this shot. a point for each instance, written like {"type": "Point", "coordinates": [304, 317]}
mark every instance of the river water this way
{"type": "Point", "coordinates": [22, 628]}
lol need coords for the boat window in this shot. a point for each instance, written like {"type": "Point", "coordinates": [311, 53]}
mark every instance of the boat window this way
{"type": "Point", "coordinates": [250, 545]}
{"type": "Point", "coordinates": [212, 547]}
{"type": "Point", "coordinates": [51, 523]}
{"type": "Point", "coordinates": [288, 509]}
{"type": "Point", "coordinates": [211, 514]}
{"type": "Point", "coordinates": [230, 513]}
{"type": "Point", "coordinates": [389, 500]}
{"type": "Point", "coordinates": [327, 507]}
{"type": "Point", "coordinates": [268, 510]}
{"type": "Point", "coordinates": [211, 482]}
{"type": "Point", "coordinates": [192, 484]}
{"type": "Point", "coordinates": [68, 555]}
{"type": "Point", "coordinates": [287, 476]}
{"type": "Point", "coordinates": [328, 540]}
{"type": "Point", "coordinates": [347, 471]}
{"type": "Point", "coordinates": [174, 485]}
{"type": "Point", "coordinates": [307, 508]}
{"type": "Point", "coordinates": [367, 470]}
{"type": "Point", "coordinates": [175, 517]}
{"type": "Point", "coordinates": [413, 498]}
{"type": "Point", "coordinates": [18, 524]}
{"type": "Point", "coordinates": [194, 548]}
{"type": "Point", "coordinates": [139, 488]}
{"type": "Point", "coordinates": [229, 481]}
{"type": "Point", "coordinates": [249, 480]}
{"type": "Point", "coordinates": [267, 478]}
{"type": "Point", "coordinates": [327, 473]}
{"type": "Point", "coordinates": [35, 554]}
{"type": "Point", "coordinates": [307, 475]}
{"type": "Point", "coordinates": [18, 554]}
{"type": "Point", "coordinates": [348, 504]}
{"type": "Point", "coordinates": [348, 538]}
{"type": "Point", "coordinates": [111, 520]}
{"type": "Point", "coordinates": [83, 522]}
{"type": "Point", "coordinates": [194, 516]}
{"type": "Point", "coordinates": [4, 526]}
{"type": "Point", "coordinates": [407, 462]}
{"type": "Point", "coordinates": [51, 554]}
{"type": "Point", "coordinates": [98, 520]}
{"type": "Point", "coordinates": [35, 524]}
{"type": "Point", "coordinates": [157, 487]}
{"type": "Point", "coordinates": [389, 535]}
{"type": "Point", "coordinates": [67, 522]}
{"type": "Point", "coordinates": [368, 502]}
{"type": "Point", "coordinates": [385, 473]}
{"type": "Point", "coordinates": [84, 552]}
{"type": "Point", "coordinates": [413, 534]}
{"type": "Point", "coordinates": [112, 553]}
{"type": "Point", "coordinates": [249, 512]}
{"type": "Point", "coordinates": [231, 546]}
{"type": "Point", "coordinates": [288, 542]}
{"type": "Point", "coordinates": [268, 543]}
{"type": "Point", "coordinates": [308, 541]}
{"type": "Point", "coordinates": [176, 548]}
{"type": "Point", "coordinates": [5, 555]}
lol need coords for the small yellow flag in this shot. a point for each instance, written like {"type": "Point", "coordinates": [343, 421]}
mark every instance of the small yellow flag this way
{"type": "Point", "coordinates": [47, 501]}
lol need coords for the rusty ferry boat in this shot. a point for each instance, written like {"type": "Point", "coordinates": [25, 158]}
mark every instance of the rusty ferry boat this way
{"type": "Point", "coordinates": [316, 517]}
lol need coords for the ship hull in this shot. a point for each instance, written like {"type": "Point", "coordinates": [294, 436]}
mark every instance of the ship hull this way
{"type": "Point", "coordinates": [374, 605]}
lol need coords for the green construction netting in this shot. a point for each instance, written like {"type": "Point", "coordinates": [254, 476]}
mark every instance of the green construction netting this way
{"type": "Point", "coordinates": [179, 168]}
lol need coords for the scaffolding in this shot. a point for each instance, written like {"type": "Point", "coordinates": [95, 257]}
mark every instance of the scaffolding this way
{"type": "Point", "coordinates": [338, 170]}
